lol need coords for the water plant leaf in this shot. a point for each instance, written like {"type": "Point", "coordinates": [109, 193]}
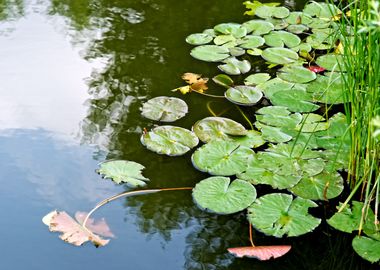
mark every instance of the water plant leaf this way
{"type": "Point", "coordinates": [251, 42]}
{"type": "Point", "coordinates": [331, 62]}
{"type": "Point", "coordinates": [258, 27]}
{"type": "Point", "coordinates": [302, 48]}
{"type": "Point", "coordinates": [221, 158]}
{"type": "Point", "coordinates": [233, 66]}
{"type": "Point", "coordinates": [327, 89]}
{"type": "Point", "coordinates": [217, 128]}
{"type": "Point", "coordinates": [296, 100]}
{"type": "Point", "coordinates": [266, 11]}
{"type": "Point", "coordinates": [252, 6]}
{"type": "Point", "coordinates": [337, 135]}
{"type": "Point", "coordinates": [274, 85]}
{"type": "Point", "coordinates": [298, 17]}
{"type": "Point", "coordinates": [282, 38]}
{"type": "Point", "coordinates": [324, 186]}
{"type": "Point", "coordinates": [252, 139]}
{"type": "Point", "coordinates": [233, 29]}
{"type": "Point", "coordinates": [123, 171]}
{"type": "Point", "coordinates": [210, 53]}
{"type": "Point", "coordinates": [195, 81]}
{"type": "Point", "coordinates": [169, 140]}
{"type": "Point", "coordinates": [99, 227]}
{"type": "Point", "coordinates": [199, 39]}
{"type": "Point", "coordinates": [279, 24]}
{"type": "Point", "coordinates": [257, 78]}
{"type": "Point", "coordinates": [321, 40]}
{"type": "Point", "coordinates": [297, 28]}
{"type": "Point", "coordinates": [296, 74]}
{"type": "Point", "coordinates": [312, 122]}
{"type": "Point", "coordinates": [261, 253]}
{"type": "Point", "coordinates": [236, 51]}
{"type": "Point", "coordinates": [279, 55]}
{"type": "Point", "coordinates": [224, 39]}
{"type": "Point", "coordinates": [348, 220]}
{"type": "Point", "coordinates": [367, 248]}
{"type": "Point", "coordinates": [72, 232]}
{"type": "Point", "coordinates": [164, 109]}
{"type": "Point", "coordinates": [278, 214]}
{"type": "Point", "coordinates": [244, 95]}
{"type": "Point", "coordinates": [321, 10]}
{"type": "Point", "coordinates": [223, 80]}
{"type": "Point", "coordinates": [278, 116]}
{"type": "Point", "coordinates": [273, 134]}
{"type": "Point", "coordinates": [218, 195]}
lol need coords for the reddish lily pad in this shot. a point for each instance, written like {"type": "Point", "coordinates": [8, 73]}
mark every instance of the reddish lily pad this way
{"type": "Point", "coordinates": [262, 253]}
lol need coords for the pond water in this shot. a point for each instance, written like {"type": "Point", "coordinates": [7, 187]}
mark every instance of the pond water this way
{"type": "Point", "coordinates": [73, 77]}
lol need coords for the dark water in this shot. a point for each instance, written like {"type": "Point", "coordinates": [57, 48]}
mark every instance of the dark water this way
{"type": "Point", "coordinates": [74, 74]}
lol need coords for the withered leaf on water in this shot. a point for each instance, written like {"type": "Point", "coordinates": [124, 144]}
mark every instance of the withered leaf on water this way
{"type": "Point", "coordinates": [262, 253]}
{"type": "Point", "coordinates": [195, 81]}
{"type": "Point", "coordinates": [73, 232]}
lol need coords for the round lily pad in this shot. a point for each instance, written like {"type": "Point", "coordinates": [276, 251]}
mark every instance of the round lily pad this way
{"type": "Point", "coordinates": [244, 95]}
{"type": "Point", "coordinates": [210, 53]}
{"type": "Point", "coordinates": [278, 214]}
{"type": "Point", "coordinates": [327, 89]}
{"type": "Point", "coordinates": [265, 11]}
{"type": "Point", "coordinates": [164, 109]}
{"type": "Point", "coordinates": [321, 10]}
{"type": "Point", "coordinates": [258, 27]}
{"type": "Point", "coordinates": [251, 42]}
{"type": "Point", "coordinates": [199, 39]}
{"type": "Point", "coordinates": [223, 80]}
{"type": "Point", "coordinates": [278, 116]}
{"type": "Point", "coordinates": [169, 140]}
{"type": "Point", "coordinates": [331, 62]}
{"type": "Point", "coordinates": [223, 39]}
{"type": "Point", "coordinates": [281, 39]}
{"type": "Point", "coordinates": [217, 128]}
{"type": "Point", "coordinates": [273, 134]}
{"type": "Point", "coordinates": [323, 186]}
{"type": "Point", "coordinates": [233, 66]}
{"type": "Point", "coordinates": [297, 28]}
{"type": "Point", "coordinates": [218, 195]}
{"type": "Point", "coordinates": [252, 139]}
{"type": "Point", "coordinates": [275, 85]}
{"type": "Point", "coordinates": [296, 74]}
{"type": "Point", "coordinates": [256, 79]}
{"type": "Point", "coordinates": [123, 171]}
{"type": "Point", "coordinates": [234, 29]}
{"type": "Point", "coordinates": [367, 248]}
{"type": "Point", "coordinates": [295, 100]}
{"type": "Point", "coordinates": [279, 55]}
{"type": "Point", "coordinates": [221, 158]}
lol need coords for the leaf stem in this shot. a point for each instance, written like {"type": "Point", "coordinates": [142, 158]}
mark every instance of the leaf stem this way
{"type": "Point", "coordinates": [208, 95]}
{"type": "Point", "coordinates": [250, 235]}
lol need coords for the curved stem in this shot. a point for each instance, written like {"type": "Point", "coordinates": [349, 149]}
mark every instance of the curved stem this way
{"type": "Point", "coordinates": [245, 117]}
{"type": "Point", "coordinates": [250, 235]}
{"type": "Point", "coordinates": [208, 95]}
{"type": "Point", "coordinates": [124, 194]}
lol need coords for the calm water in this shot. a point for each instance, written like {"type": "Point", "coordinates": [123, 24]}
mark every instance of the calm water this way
{"type": "Point", "coordinates": [74, 74]}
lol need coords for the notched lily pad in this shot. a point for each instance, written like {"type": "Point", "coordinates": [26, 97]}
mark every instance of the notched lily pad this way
{"type": "Point", "coordinates": [281, 39]}
{"type": "Point", "coordinates": [219, 195]}
{"type": "Point", "coordinates": [164, 109]}
{"type": "Point", "coordinates": [367, 248]}
{"type": "Point", "coordinates": [169, 140]}
{"type": "Point", "coordinates": [199, 39]}
{"type": "Point", "coordinates": [279, 55]}
{"type": "Point", "coordinates": [296, 74]}
{"type": "Point", "coordinates": [278, 214]}
{"type": "Point", "coordinates": [256, 79]}
{"type": "Point", "coordinates": [235, 29]}
{"type": "Point", "coordinates": [244, 95]}
{"type": "Point", "coordinates": [211, 128]}
{"type": "Point", "coordinates": [295, 100]}
{"type": "Point", "coordinates": [123, 171]}
{"type": "Point", "coordinates": [266, 11]}
{"type": "Point", "coordinates": [210, 53]}
{"type": "Point", "coordinates": [331, 62]}
{"type": "Point", "coordinates": [223, 80]}
{"type": "Point", "coordinates": [233, 66]}
{"type": "Point", "coordinates": [221, 158]}
{"type": "Point", "coordinates": [327, 89]}
{"type": "Point", "coordinates": [258, 27]}
{"type": "Point", "coordinates": [251, 42]}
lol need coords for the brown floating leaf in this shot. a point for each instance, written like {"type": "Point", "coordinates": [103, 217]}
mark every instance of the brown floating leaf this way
{"type": "Point", "coordinates": [191, 78]}
{"type": "Point", "coordinates": [195, 81]}
{"type": "Point", "coordinates": [260, 252]}
{"type": "Point", "coordinates": [72, 231]}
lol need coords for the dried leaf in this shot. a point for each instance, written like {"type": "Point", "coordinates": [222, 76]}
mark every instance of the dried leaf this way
{"type": "Point", "coordinates": [262, 253]}
{"type": "Point", "coordinates": [191, 78]}
{"type": "Point", "coordinates": [72, 231]}
{"type": "Point", "coordinates": [195, 81]}
{"type": "Point", "coordinates": [184, 89]}
{"type": "Point", "coordinates": [200, 86]}
{"type": "Point", "coordinates": [99, 227]}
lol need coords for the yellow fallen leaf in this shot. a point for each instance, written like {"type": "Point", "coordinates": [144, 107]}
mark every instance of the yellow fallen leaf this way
{"type": "Point", "coordinates": [184, 89]}
{"type": "Point", "coordinates": [191, 78]}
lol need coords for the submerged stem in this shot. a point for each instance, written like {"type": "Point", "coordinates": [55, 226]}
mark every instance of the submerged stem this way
{"type": "Point", "coordinates": [250, 235]}
{"type": "Point", "coordinates": [127, 193]}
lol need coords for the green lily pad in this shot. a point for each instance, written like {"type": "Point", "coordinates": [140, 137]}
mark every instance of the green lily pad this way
{"type": "Point", "coordinates": [367, 248]}
{"type": "Point", "coordinates": [234, 29]}
{"type": "Point", "coordinates": [211, 128]}
{"type": "Point", "coordinates": [210, 53]}
{"type": "Point", "coordinates": [348, 220]}
{"type": "Point", "coordinates": [218, 195]}
{"type": "Point", "coordinates": [323, 186]}
{"type": "Point", "coordinates": [328, 90]}
{"type": "Point", "coordinates": [236, 51]}
{"type": "Point", "coordinates": [279, 55]}
{"type": "Point", "coordinates": [297, 28]}
{"type": "Point", "coordinates": [321, 41]}
{"type": "Point", "coordinates": [337, 135]}
{"type": "Point", "coordinates": [255, 52]}
{"type": "Point", "coordinates": [221, 158]}
{"type": "Point", "coordinates": [279, 24]}
{"type": "Point", "coordinates": [296, 74]}
{"type": "Point", "coordinates": [210, 32]}
{"type": "Point", "coordinates": [244, 95]}
{"type": "Point", "coordinates": [223, 80]}
{"type": "Point", "coordinates": [199, 39]}
{"type": "Point", "coordinates": [303, 47]}
{"type": "Point", "coordinates": [295, 100]}
{"type": "Point", "coordinates": [312, 123]}
{"type": "Point", "coordinates": [258, 27]}
{"type": "Point", "coordinates": [278, 116]}
{"type": "Point", "coordinates": [278, 214]}
{"type": "Point", "coordinates": [164, 109]}
{"type": "Point", "coordinates": [169, 140]}
{"type": "Point", "coordinates": [274, 85]}
{"type": "Point", "coordinates": [265, 11]}
{"type": "Point", "coordinates": [297, 17]}
{"type": "Point", "coordinates": [281, 39]}
{"type": "Point", "coordinates": [223, 39]}
{"type": "Point", "coordinates": [123, 171]}
{"type": "Point", "coordinates": [256, 79]}
{"type": "Point", "coordinates": [252, 139]}
{"type": "Point", "coordinates": [321, 10]}
{"type": "Point", "coordinates": [251, 42]}
{"type": "Point", "coordinates": [273, 134]}
{"type": "Point", "coordinates": [233, 66]}
{"type": "Point", "coordinates": [331, 62]}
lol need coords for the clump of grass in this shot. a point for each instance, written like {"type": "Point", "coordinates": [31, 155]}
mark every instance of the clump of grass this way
{"type": "Point", "coordinates": [361, 53]}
